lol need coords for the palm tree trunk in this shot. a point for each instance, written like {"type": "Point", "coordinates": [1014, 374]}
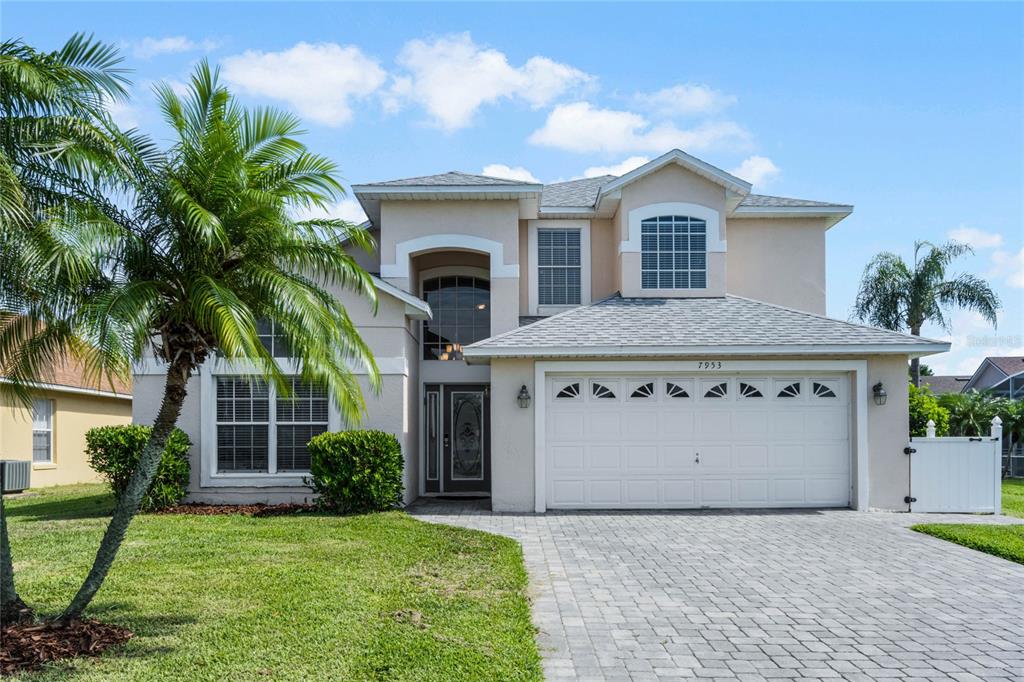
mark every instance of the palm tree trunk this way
{"type": "Point", "coordinates": [12, 608]}
{"type": "Point", "coordinates": [915, 363]}
{"type": "Point", "coordinates": [128, 503]}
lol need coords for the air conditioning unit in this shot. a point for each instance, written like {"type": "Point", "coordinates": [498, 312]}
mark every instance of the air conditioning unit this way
{"type": "Point", "coordinates": [15, 474]}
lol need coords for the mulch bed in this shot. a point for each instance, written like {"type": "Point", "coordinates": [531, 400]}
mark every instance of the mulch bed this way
{"type": "Point", "coordinates": [28, 646]}
{"type": "Point", "coordinates": [256, 510]}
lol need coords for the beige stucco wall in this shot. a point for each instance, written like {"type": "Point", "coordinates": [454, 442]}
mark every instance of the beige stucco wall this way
{"type": "Point", "coordinates": [778, 260]}
{"type": "Point", "coordinates": [392, 337]}
{"type": "Point", "coordinates": [671, 183]}
{"type": "Point", "coordinates": [888, 434]}
{"type": "Point", "coordinates": [604, 259]}
{"type": "Point", "coordinates": [512, 445]}
{"type": "Point", "coordinates": [73, 415]}
{"type": "Point", "coordinates": [512, 451]}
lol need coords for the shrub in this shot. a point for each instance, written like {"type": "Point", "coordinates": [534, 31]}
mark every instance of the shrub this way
{"type": "Point", "coordinates": [114, 453]}
{"type": "Point", "coordinates": [970, 413]}
{"type": "Point", "coordinates": [924, 406]}
{"type": "Point", "coordinates": [353, 472]}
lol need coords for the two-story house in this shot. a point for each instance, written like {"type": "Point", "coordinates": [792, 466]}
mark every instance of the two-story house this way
{"type": "Point", "coordinates": [656, 340]}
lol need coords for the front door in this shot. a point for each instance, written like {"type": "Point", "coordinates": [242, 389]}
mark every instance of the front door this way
{"type": "Point", "coordinates": [458, 438]}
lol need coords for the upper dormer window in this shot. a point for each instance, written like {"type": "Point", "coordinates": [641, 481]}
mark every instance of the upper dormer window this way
{"type": "Point", "coordinates": [674, 253]}
{"type": "Point", "coordinates": [559, 267]}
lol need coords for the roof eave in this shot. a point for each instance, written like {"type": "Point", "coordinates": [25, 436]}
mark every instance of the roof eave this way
{"type": "Point", "coordinates": [483, 354]}
{"type": "Point", "coordinates": [415, 308]}
{"type": "Point", "coordinates": [832, 214]}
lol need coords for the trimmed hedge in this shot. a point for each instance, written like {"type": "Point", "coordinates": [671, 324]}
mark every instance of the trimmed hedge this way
{"type": "Point", "coordinates": [114, 451]}
{"type": "Point", "coordinates": [354, 472]}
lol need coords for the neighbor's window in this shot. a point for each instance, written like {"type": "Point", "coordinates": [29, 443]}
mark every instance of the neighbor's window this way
{"type": "Point", "coordinates": [559, 267]}
{"type": "Point", "coordinates": [261, 431]}
{"type": "Point", "coordinates": [462, 315]}
{"type": "Point", "coordinates": [42, 431]}
{"type": "Point", "coordinates": [674, 253]}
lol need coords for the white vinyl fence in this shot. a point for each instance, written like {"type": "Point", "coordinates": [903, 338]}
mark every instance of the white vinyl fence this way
{"type": "Point", "coordinates": [957, 474]}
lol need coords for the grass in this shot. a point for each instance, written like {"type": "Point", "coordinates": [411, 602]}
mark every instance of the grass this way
{"type": "Point", "coordinates": [310, 597]}
{"type": "Point", "coordinates": [1006, 541]}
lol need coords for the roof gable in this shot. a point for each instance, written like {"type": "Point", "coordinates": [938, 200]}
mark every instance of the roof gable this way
{"type": "Point", "coordinates": [712, 173]}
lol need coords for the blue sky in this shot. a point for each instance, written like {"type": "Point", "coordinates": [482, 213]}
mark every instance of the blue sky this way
{"type": "Point", "coordinates": [911, 112]}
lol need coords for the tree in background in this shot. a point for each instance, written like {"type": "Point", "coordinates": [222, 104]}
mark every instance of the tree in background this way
{"type": "Point", "coordinates": [924, 406]}
{"type": "Point", "coordinates": [970, 413]}
{"type": "Point", "coordinates": [902, 297]}
{"type": "Point", "coordinates": [53, 146]}
{"type": "Point", "coordinates": [200, 245]}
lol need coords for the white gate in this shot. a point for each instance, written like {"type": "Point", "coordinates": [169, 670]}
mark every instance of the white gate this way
{"type": "Point", "coordinates": [956, 474]}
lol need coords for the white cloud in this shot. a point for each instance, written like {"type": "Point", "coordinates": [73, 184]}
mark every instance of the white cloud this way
{"type": "Point", "coordinates": [979, 239]}
{"type": "Point", "coordinates": [318, 80]}
{"type": "Point", "coordinates": [347, 209]}
{"type": "Point", "coordinates": [579, 127]}
{"type": "Point", "coordinates": [757, 170]}
{"type": "Point", "coordinates": [500, 170]}
{"type": "Point", "coordinates": [125, 115]}
{"type": "Point", "coordinates": [620, 168]}
{"type": "Point", "coordinates": [1009, 266]}
{"type": "Point", "coordinates": [452, 77]}
{"type": "Point", "coordinates": [685, 99]}
{"type": "Point", "coordinates": [151, 47]}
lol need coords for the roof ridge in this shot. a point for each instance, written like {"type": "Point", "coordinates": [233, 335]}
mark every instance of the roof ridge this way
{"type": "Point", "coordinates": [855, 325]}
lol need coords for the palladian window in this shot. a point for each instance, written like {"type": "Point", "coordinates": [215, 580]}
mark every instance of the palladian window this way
{"type": "Point", "coordinates": [461, 307]}
{"type": "Point", "coordinates": [674, 253]}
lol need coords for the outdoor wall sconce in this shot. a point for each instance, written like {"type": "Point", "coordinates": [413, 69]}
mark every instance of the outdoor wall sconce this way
{"type": "Point", "coordinates": [880, 395]}
{"type": "Point", "coordinates": [523, 398]}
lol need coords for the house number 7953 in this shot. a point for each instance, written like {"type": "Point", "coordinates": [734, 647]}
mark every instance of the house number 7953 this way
{"type": "Point", "coordinates": [709, 364]}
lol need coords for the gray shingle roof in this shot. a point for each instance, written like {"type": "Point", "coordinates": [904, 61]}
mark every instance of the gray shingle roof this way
{"type": "Point", "coordinates": [631, 325]}
{"type": "Point", "coordinates": [449, 179]}
{"type": "Point", "coordinates": [1010, 364]}
{"type": "Point", "coordinates": [574, 193]}
{"type": "Point", "coordinates": [766, 201]}
{"type": "Point", "coordinates": [945, 384]}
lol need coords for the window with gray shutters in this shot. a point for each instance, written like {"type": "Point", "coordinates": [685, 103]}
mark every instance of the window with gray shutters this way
{"type": "Point", "coordinates": [673, 253]}
{"type": "Point", "coordinates": [42, 430]}
{"type": "Point", "coordinates": [559, 267]}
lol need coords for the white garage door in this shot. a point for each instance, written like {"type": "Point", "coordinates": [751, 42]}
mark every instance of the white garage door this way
{"type": "Point", "coordinates": [708, 441]}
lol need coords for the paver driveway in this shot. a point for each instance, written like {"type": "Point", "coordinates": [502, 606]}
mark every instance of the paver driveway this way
{"type": "Point", "coordinates": [755, 595]}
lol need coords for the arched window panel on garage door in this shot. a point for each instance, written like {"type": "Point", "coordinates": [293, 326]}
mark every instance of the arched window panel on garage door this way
{"type": "Point", "coordinates": [714, 389]}
{"type": "Point", "coordinates": [568, 389]}
{"type": "Point", "coordinates": [641, 390]}
{"type": "Point", "coordinates": [604, 389]}
{"type": "Point", "coordinates": [825, 388]}
{"type": "Point", "coordinates": [678, 388]}
{"type": "Point", "coordinates": [752, 388]}
{"type": "Point", "coordinates": [787, 388]}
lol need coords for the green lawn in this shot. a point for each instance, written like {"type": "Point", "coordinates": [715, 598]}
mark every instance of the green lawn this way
{"type": "Point", "coordinates": [1006, 541]}
{"type": "Point", "coordinates": [377, 597]}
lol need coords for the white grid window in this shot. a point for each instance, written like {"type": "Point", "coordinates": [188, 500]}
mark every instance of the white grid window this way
{"type": "Point", "coordinates": [559, 267]}
{"type": "Point", "coordinates": [300, 416]}
{"type": "Point", "coordinates": [272, 338]}
{"type": "Point", "coordinates": [42, 431]}
{"type": "Point", "coordinates": [259, 431]}
{"type": "Point", "coordinates": [673, 253]}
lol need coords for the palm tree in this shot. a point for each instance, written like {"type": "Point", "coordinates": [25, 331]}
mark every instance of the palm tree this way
{"type": "Point", "coordinates": [204, 246]}
{"type": "Point", "coordinates": [970, 413]}
{"type": "Point", "coordinates": [51, 140]}
{"type": "Point", "coordinates": [898, 296]}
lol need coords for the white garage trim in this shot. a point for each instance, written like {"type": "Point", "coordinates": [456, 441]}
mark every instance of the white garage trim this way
{"type": "Point", "coordinates": [858, 383]}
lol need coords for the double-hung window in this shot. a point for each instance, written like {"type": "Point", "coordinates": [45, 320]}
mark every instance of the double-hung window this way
{"type": "Point", "coordinates": [42, 431]}
{"type": "Point", "coordinates": [559, 266]}
{"type": "Point", "coordinates": [262, 431]}
{"type": "Point", "coordinates": [673, 253]}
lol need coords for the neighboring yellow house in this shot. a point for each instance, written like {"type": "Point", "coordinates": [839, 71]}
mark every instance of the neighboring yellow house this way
{"type": "Point", "coordinates": [52, 432]}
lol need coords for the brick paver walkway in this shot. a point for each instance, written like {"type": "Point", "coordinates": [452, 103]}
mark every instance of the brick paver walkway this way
{"type": "Point", "coordinates": [760, 595]}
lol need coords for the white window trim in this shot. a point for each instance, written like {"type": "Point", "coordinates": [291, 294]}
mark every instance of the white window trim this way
{"type": "Point", "coordinates": [433, 242]}
{"type": "Point", "coordinates": [858, 384]}
{"type": "Point", "coordinates": [209, 476]}
{"type": "Point", "coordinates": [531, 241]}
{"type": "Point", "coordinates": [51, 407]}
{"type": "Point", "coordinates": [716, 244]}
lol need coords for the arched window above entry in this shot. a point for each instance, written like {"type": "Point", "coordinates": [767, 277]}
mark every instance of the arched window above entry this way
{"type": "Point", "coordinates": [462, 315]}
